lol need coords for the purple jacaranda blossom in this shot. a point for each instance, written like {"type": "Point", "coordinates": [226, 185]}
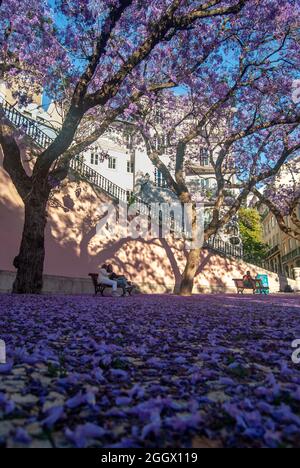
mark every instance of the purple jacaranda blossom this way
{"type": "Point", "coordinates": [254, 432]}
{"type": "Point", "coordinates": [115, 413]}
{"type": "Point", "coordinates": [291, 430]}
{"type": "Point", "coordinates": [82, 434]}
{"type": "Point", "coordinates": [185, 422]}
{"type": "Point", "coordinates": [123, 401]}
{"type": "Point", "coordinates": [284, 414]}
{"type": "Point", "coordinates": [180, 360]}
{"type": "Point", "coordinates": [9, 407]}
{"type": "Point", "coordinates": [76, 401]}
{"type": "Point", "coordinates": [226, 381]}
{"type": "Point", "coordinates": [90, 398]}
{"type": "Point", "coordinates": [272, 439]}
{"type": "Point", "coordinates": [156, 363]}
{"type": "Point", "coordinates": [6, 368]}
{"type": "Point", "coordinates": [133, 402]}
{"type": "Point", "coordinates": [53, 415]}
{"type": "Point", "coordinates": [81, 398]}
{"type": "Point", "coordinates": [137, 392]}
{"type": "Point", "coordinates": [106, 360]}
{"type": "Point", "coordinates": [119, 374]}
{"type": "Point", "coordinates": [296, 394]}
{"type": "Point", "coordinates": [265, 407]}
{"type": "Point", "coordinates": [125, 443]}
{"type": "Point", "coordinates": [22, 437]}
{"type": "Point", "coordinates": [98, 374]}
{"type": "Point", "coordinates": [152, 428]}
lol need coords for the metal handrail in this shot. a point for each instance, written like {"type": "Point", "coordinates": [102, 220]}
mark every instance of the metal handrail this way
{"type": "Point", "coordinates": [223, 247]}
{"type": "Point", "coordinates": [29, 126]}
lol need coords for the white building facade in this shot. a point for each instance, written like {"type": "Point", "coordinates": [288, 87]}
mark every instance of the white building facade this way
{"type": "Point", "coordinates": [124, 165]}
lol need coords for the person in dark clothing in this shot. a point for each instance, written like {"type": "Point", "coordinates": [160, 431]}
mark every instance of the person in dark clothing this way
{"type": "Point", "coordinates": [121, 280]}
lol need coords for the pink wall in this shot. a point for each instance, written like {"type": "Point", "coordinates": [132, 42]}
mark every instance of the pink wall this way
{"type": "Point", "coordinates": [74, 250]}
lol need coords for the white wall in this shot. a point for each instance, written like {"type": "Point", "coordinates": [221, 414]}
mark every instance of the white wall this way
{"type": "Point", "coordinates": [118, 176]}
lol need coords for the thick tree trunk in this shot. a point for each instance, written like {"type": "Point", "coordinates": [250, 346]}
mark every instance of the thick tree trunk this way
{"type": "Point", "coordinates": [30, 261]}
{"type": "Point", "coordinates": [193, 259]}
{"type": "Point", "coordinates": [192, 265]}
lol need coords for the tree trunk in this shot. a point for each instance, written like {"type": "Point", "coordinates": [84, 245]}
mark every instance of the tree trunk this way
{"type": "Point", "coordinates": [30, 261]}
{"type": "Point", "coordinates": [192, 265]}
{"type": "Point", "coordinates": [193, 259]}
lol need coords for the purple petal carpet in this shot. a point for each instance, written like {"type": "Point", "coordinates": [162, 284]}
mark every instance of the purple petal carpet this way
{"type": "Point", "coordinates": [150, 371]}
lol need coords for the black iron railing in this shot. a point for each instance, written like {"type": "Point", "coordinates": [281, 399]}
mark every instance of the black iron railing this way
{"type": "Point", "coordinates": [29, 126]}
{"type": "Point", "coordinates": [225, 248]}
{"type": "Point", "coordinates": [97, 179]}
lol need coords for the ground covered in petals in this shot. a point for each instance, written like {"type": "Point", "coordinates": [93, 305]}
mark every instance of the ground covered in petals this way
{"type": "Point", "coordinates": [150, 371]}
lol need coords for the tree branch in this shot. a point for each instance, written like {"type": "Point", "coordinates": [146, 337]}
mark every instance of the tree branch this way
{"type": "Point", "coordinates": [61, 171]}
{"type": "Point", "coordinates": [166, 23]}
{"type": "Point", "coordinates": [77, 110]}
{"type": "Point", "coordinates": [12, 162]}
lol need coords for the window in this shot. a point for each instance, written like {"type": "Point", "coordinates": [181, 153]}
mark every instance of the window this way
{"type": "Point", "coordinates": [112, 163]}
{"type": "Point", "coordinates": [204, 183]}
{"type": "Point", "coordinates": [159, 117]}
{"type": "Point", "coordinates": [95, 159]}
{"type": "Point", "coordinates": [160, 180]}
{"type": "Point", "coordinates": [204, 157]}
{"type": "Point", "coordinates": [129, 141]}
{"type": "Point", "coordinates": [130, 167]}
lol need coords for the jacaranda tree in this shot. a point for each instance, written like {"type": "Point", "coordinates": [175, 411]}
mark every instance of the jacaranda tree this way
{"type": "Point", "coordinates": [246, 121]}
{"type": "Point", "coordinates": [94, 54]}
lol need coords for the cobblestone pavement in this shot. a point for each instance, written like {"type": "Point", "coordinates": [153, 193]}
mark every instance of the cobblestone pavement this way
{"type": "Point", "coordinates": [150, 371]}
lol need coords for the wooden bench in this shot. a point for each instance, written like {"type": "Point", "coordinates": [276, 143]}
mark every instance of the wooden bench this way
{"type": "Point", "coordinates": [257, 286]}
{"type": "Point", "coordinates": [100, 288]}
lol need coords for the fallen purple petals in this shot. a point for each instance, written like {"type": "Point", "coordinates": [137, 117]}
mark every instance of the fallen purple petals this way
{"type": "Point", "coordinates": [149, 371]}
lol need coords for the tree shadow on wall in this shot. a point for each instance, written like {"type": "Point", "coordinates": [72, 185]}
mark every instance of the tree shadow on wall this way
{"type": "Point", "coordinates": [81, 253]}
{"type": "Point", "coordinates": [72, 249]}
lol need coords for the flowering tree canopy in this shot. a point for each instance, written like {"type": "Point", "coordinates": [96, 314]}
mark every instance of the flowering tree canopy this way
{"type": "Point", "coordinates": [102, 57]}
{"type": "Point", "coordinates": [247, 123]}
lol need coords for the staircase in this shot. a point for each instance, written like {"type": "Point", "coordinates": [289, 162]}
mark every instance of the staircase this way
{"type": "Point", "coordinates": [31, 128]}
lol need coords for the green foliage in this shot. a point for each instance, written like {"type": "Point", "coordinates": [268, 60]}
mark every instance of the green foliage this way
{"type": "Point", "coordinates": [252, 234]}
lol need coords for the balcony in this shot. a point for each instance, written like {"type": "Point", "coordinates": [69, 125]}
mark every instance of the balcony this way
{"type": "Point", "coordinates": [274, 251]}
{"type": "Point", "coordinates": [291, 256]}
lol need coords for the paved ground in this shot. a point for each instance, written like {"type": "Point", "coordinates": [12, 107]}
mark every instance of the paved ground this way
{"type": "Point", "coordinates": [150, 371]}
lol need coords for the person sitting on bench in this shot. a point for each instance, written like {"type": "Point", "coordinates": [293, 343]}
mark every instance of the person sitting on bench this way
{"type": "Point", "coordinates": [249, 282]}
{"type": "Point", "coordinates": [121, 280]}
{"type": "Point", "coordinates": [104, 278]}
